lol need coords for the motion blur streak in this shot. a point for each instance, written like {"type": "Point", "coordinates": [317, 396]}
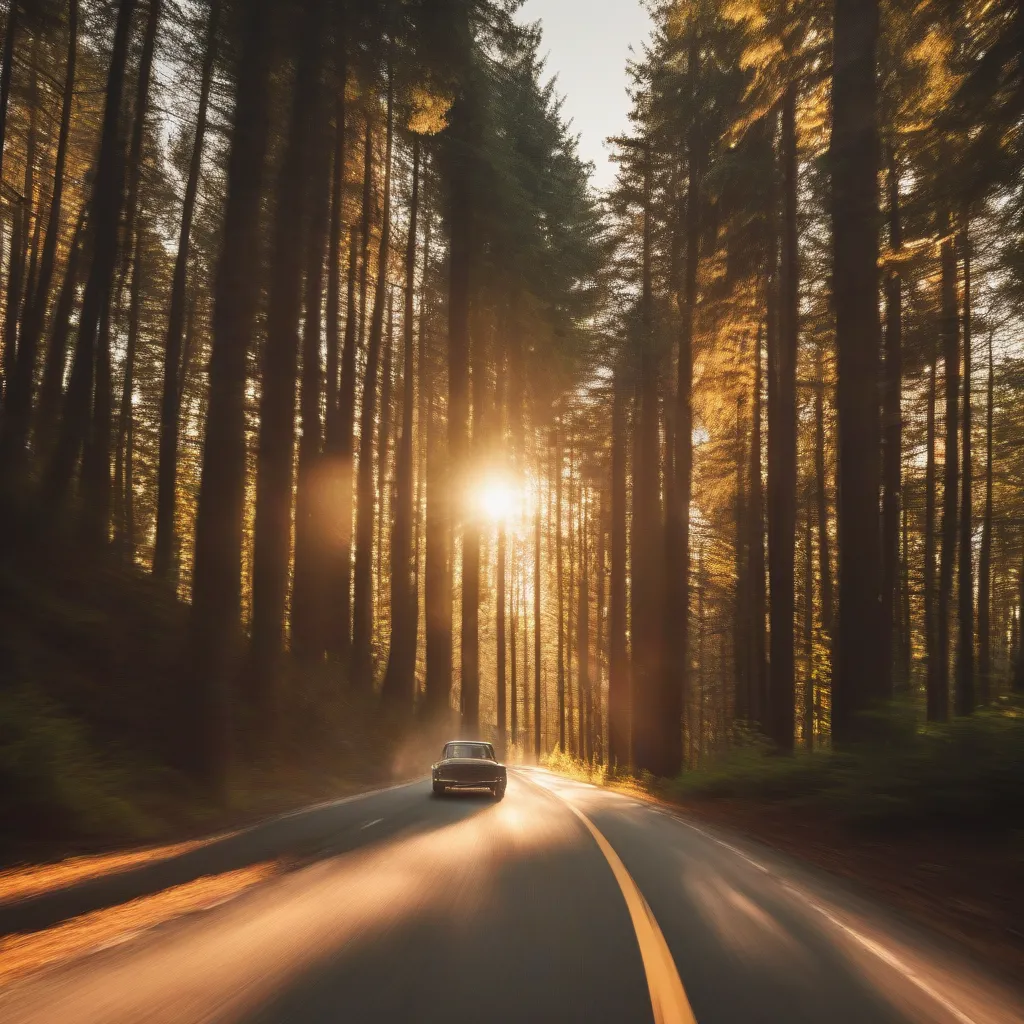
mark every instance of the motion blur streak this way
{"type": "Point", "coordinates": [464, 908]}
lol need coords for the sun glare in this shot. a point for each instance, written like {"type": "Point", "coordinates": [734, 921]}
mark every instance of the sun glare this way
{"type": "Point", "coordinates": [497, 498]}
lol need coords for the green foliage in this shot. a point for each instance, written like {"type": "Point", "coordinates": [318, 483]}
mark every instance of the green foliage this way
{"type": "Point", "coordinates": [966, 774]}
{"type": "Point", "coordinates": [54, 784]}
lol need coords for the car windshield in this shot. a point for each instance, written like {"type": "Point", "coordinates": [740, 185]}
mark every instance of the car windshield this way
{"type": "Point", "coordinates": [483, 751]}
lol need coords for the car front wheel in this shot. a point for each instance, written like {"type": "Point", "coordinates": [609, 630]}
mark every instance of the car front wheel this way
{"type": "Point", "coordinates": [438, 789]}
{"type": "Point", "coordinates": [499, 792]}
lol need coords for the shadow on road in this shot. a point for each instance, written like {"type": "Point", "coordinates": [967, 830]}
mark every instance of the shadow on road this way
{"type": "Point", "coordinates": [297, 839]}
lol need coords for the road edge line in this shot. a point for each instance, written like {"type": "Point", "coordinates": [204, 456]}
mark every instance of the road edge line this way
{"type": "Point", "coordinates": [668, 997]}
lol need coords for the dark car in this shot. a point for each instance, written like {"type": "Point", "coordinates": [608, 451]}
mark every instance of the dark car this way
{"type": "Point", "coordinates": [468, 764]}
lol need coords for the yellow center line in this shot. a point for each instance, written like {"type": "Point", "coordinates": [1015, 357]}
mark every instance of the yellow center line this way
{"type": "Point", "coordinates": [668, 998]}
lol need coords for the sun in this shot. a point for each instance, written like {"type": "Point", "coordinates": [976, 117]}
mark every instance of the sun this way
{"type": "Point", "coordinates": [497, 498]}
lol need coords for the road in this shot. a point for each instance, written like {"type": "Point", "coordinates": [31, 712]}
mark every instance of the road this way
{"type": "Point", "coordinates": [564, 902]}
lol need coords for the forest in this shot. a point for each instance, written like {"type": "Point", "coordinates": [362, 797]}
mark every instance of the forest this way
{"type": "Point", "coordinates": [337, 404]}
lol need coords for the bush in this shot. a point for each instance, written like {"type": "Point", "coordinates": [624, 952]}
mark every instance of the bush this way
{"type": "Point", "coordinates": [967, 774]}
{"type": "Point", "coordinates": [53, 785]}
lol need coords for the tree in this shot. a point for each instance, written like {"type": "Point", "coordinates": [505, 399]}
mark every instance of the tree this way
{"type": "Point", "coordinates": [854, 163]}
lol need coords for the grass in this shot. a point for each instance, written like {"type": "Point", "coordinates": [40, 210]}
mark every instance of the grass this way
{"type": "Point", "coordinates": [966, 775]}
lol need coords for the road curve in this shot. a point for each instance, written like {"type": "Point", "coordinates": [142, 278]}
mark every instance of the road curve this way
{"type": "Point", "coordinates": [563, 902]}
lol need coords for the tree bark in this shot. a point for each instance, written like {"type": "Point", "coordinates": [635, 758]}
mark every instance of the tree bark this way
{"type": "Point", "coordinates": [124, 484]}
{"type": "Point", "coordinates": [892, 438]}
{"type": "Point", "coordinates": [675, 685]}
{"type": "Point", "coordinates": [216, 582]}
{"type": "Point", "coordinates": [399, 680]}
{"type": "Point", "coordinates": [104, 220]}
{"type": "Point", "coordinates": [619, 668]}
{"type": "Point", "coordinates": [170, 399]}
{"type": "Point", "coordinates": [133, 168]}
{"type": "Point", "coordinates": [362, 606]}
{"type": "Point", "coordinates": [985, 556]}
{"type": "Point", "coordinates": [272, 531]}
{"type": "Point", "coordinates": [965, 695]}
{"type": "Point", "coordinates": [18, 294]}
{"type": "Point", "coordinates": [560, 693]}
{"type": "Point", "coordinates": [854, 159]}
{"type": "Point", "coordinates": [313, 507]}
{"type": "Point", "coordinates": [758, 670]}
{"type": "Point", "coordinates": [536, 636]}
{"type": "Point", "coordinates": [18, 400]}
{"type": "Point", "coordinates": [932, 686]}
{"type": "Point", "coordinates": [583, 637]}
{"type": "Point", "coordinates": [647, 578]}
{"type": "Point", "coordinates": [782, 419]}
{"type": "Point", "coordinates": [939, 709]}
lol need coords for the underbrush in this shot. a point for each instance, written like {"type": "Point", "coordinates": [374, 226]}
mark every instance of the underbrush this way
{"type": "Point", "coordinates": [91, 724]}
{"type": "Point", "coordinates": [967, 775]}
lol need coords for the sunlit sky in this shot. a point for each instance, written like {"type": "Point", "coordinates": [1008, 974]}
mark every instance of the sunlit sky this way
{"type": "Point", "coordinates": [587, 43]}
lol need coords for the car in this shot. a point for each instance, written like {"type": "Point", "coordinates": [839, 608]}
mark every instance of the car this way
{"type": "Point", "coordinates": [468, 764]}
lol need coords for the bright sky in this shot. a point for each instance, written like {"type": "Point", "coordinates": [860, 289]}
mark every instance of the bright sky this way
{"type": "Point", "coordinates": [587, 43]}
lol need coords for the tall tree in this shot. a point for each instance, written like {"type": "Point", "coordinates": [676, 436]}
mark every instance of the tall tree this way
{"type": "Point", "coordinates": [216, 581]}
{"type": "Point", "coordinates": [362, 604]}
{"type": "Point", "coordinates": [18, 405]}
{"type": "Point", "coordinates": [170, 404]}
{"type": "Point", "coordinates": [105, 205]}
{"type": "Point", "coordinates": [965, 693]}
{"type": "Point", "coordinates": [276, 444]}
{"type": "Point", "coordinates": [985, 555]}
{"type": "Point", "coordinates": [854, 163]}
{"type": "Point", "coordinates": [399, 680]}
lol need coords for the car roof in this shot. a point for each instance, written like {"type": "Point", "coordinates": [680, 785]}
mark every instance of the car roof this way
{"type": "Point", "coordinates": [477, 743]}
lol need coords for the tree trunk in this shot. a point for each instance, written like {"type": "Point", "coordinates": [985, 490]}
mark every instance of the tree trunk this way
{"type": "Point", "coordinates": [362, 607]}
{"type": "Point", "coordinates": [331, 470]}
{"type": "Point", "coordinates": [648, 730]}
{"type": "Point", "coordinates": [758, 670]}
{"type": "Point", "coordinates": [933, 688]}
{"type": "Point", "coordinates": [985, 557]}
{"type": "Point", "coordinates": [854, 160]}
{"type": "Point", "coordinates": [583, 637]}
{"type": "Point", "coordinates": [619, 668]}
{"type": "Point", "coordinates": [13, 25]}
{"type": "Point", "coordinates": [512, 647]}
{"type": "Point", "coordinates": [950, 465]}
{"type": "Point", "coordinates": [500, 636]}
{"type": "Point", "coordinates": [965, 697]}
{"type": "Point", "coordinates": [675, 684]}
{"type": "Point", "coordinates": [51, 388]}
{"type": "Point", "coordinates": [782, 417]}
{"type": "Point", "coordinates": [400, 678]}
{"type": "Point", "coordinates": [809, 624]}
{"type": "Point", "coordinates": [312, 503]}
{"type": "Point", "coordinates": [383, 490]}
{"type": "Point", "coordinates": [124, 534]}
{"type": "Point", "coordinates": [741, 634]}
{"type": "Point", "coordinates": [18, 295]}
{"type": "Point", "coordinates": [536, 636]}
{"type": "Point", "coordinates": [96, 453]}
{"type": "Point", "coordinates": [892, 437]}
{"type": "Point", "coordinates": [18, 400]}
{"type": "Point", "coordinates": [216, 581]}
{"type": "Point", "coordinates": [272, 531]}
{"type": "Point", "coordinates": [557, 448]}
{"type": "Point", "coordinates": [133, 169]}
{"type": "Point", "coordinates": [170, 400]}
{"type": "Point", "coordinates": [821, 500]}
{"type": "Point", "coordinates": [598, 726]}
{"type": "Point", "coordinates": [104, 219]}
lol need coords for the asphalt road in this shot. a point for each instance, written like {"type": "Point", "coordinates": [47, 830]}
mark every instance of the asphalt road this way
{"type": "Point", "coordinates": [561, 903]}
